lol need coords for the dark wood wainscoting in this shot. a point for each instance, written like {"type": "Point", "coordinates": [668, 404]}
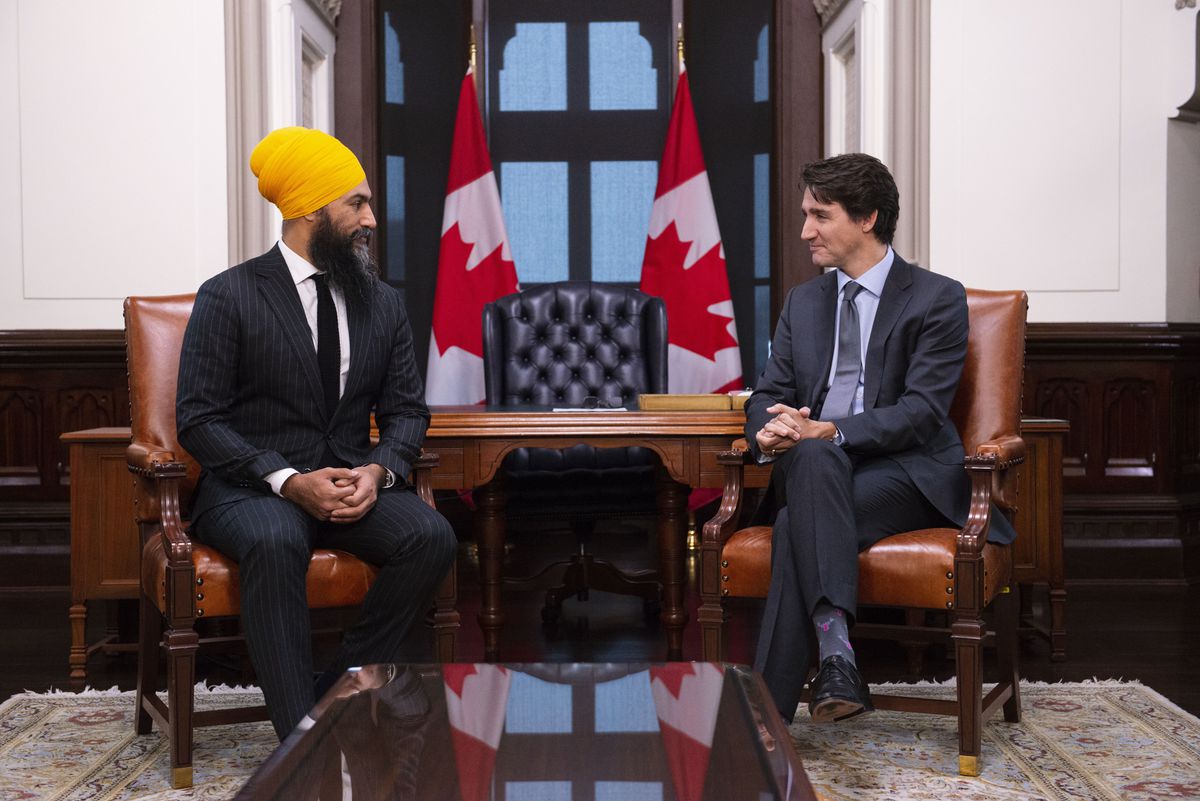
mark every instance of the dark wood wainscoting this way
{"type": "Point", "coordinates": [1131, 463]}
{"type": "Point", "coordinates": [50, 382]}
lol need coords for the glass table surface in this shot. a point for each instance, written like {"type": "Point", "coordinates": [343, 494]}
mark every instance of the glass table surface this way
{"type": "Point", "coordinates": [692, 731]}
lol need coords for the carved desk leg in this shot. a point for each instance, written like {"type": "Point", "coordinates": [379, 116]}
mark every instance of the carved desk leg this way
{"type": "Point", "coordinates": [672, 536]}
{"type": "Point", "coordinates": [489, 537]}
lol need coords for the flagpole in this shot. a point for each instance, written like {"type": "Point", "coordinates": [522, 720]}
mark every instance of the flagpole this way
{"type": "Point", "coordinates": [679, 48]}
{"type": "Point", "coordinates": [471, 53]}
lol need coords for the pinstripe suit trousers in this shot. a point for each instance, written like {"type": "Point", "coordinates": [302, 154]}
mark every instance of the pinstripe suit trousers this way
{"type": "Point", "coordinates": [272, 540]}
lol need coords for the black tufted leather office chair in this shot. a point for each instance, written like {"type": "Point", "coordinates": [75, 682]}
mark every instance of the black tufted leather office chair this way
{"type": "Point", "coordinates": [572, 344]}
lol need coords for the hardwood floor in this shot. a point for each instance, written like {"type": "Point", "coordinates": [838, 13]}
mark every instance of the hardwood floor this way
{"type": "Point", "coordinates": [1143, 632]}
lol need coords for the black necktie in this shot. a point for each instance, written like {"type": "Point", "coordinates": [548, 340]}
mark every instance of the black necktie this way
{"type": "Point", "coordinates": [840, 400]}
{"type": "Point", "coordinates": [329, 349]}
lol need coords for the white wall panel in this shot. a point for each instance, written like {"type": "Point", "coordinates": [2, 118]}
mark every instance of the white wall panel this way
{"type": "Point", "coordinates": [119, 112]}
{"type": "Point", "coordinates": [1048, 151]}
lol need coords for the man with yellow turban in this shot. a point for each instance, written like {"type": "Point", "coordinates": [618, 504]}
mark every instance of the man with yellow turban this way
{"type": "Point", "coordinates": [284, 360]}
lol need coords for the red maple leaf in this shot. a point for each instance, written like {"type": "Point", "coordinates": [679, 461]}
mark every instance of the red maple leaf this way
{"type": "Point", "coordinates": [688, 293]}
{"type": "Point", "coordinates": [672, 675]}
{"type": "Point", "coordinates": [455, 676]}
{"type": "Point", "coordinates": [462, 293]}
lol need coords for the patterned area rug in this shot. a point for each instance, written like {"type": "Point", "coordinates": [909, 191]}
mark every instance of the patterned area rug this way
{"type": "Point", "coordinates": [1102, 740]}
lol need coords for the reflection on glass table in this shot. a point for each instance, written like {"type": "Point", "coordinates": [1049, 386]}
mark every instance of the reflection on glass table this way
{"type": "Point", "coordinates": [679, 731]}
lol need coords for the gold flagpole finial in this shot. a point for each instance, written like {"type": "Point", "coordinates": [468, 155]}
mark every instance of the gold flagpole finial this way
{"type": "Point", "coordinates": [471, 50]}
{"type": "Point", "coordinates": [679, 44]}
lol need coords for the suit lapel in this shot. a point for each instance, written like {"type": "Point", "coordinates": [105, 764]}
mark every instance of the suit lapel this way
{"type": "Point", "coordinates": [361, 314]}
{"type": "Point", "coordinates": [278, 289]}
{"type": "Point", "coordinates": [824, 323]}
{"type": "Point", "coordinates": [896, 294]}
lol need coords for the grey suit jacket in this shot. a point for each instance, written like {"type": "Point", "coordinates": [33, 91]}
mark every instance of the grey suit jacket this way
{"type": "Point", "coordinates": [914, 360]}
{"type": "Point", "coordinates": [249, 397]}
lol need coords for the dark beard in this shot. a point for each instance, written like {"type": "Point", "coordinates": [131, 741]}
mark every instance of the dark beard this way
{"type": "Point", "coordinates": [350, 268]}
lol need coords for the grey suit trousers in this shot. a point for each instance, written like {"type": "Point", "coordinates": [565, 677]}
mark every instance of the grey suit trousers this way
{"type": "Point", "coordinates": [835, 506]}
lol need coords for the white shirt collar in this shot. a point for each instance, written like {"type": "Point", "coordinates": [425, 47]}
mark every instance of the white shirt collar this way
{"type": "Point", "coordinates": [873, 279]}
{"type": "Point", "coordinates": [300, 268]}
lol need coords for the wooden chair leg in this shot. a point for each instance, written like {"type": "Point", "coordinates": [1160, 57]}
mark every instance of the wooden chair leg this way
{"type": "Point", "coordinates": [967, 634]}
{"type": "Point", "coordinates": [181, 646]}
{"type": "Point", "coordinates": [712, 616]}
{"type": "Point", "coordinates": [1007, 619]}
{"type": "Point", "coordinates": [149, 647]}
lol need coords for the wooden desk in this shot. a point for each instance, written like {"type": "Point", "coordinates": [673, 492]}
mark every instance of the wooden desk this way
{"type": "Point", "coordinates": [1038, 550]}
{"type": "Point", "coordinates": [104, 540]}
{"type": "Point", "coordinates": [105, 558]}
{"type": "Point", "coordinates": [472, 442]}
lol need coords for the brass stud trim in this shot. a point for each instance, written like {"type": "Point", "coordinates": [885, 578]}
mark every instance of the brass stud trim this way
{"type": "Point", "coordinates": [724, 563]}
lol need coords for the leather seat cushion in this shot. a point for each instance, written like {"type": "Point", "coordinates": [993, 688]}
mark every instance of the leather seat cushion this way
{"type": "Point", "coordinates": [912, 569]}
{"type": "Point", "coordinates": [335, 579]}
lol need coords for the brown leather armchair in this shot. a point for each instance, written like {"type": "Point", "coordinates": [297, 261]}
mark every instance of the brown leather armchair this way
{"type": "Point", "coordinates": [182, 580]}
{"type": "Point", "coordinates": [948, 570]}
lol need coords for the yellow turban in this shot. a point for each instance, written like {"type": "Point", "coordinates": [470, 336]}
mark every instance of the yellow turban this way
{"type": "Point", "coordinates": [301, 170]}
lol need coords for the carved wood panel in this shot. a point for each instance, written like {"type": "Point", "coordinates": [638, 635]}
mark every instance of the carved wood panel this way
{"type": "Point", "coordinates": [52, 382]}
{"type": "Point", "coordinates": [1065, 399]}
{"type": "Point", "coordinates": [1130, 422]}
{"type": "Point", "coordinates": [1187, 440]}
{"type": "Point", "coordinates": [20, 437]}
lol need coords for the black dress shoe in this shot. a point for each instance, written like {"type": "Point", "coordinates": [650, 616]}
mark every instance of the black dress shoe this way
{"type": "Point", "coordinates": [838, 692]}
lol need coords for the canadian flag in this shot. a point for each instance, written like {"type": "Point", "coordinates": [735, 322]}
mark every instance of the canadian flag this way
{"type": "Point", "coordinates": [476, 703]}
{"type": "Point", "coordinates": [685, 263]}
{"type": "Point", "coordinates": [475, 264]}
{"type": "Point", "coordinates": [687, 696]}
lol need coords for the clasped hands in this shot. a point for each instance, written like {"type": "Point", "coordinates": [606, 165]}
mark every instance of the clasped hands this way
{"type": "Point", "coordinates": [336, 494]}
{"type": "Point", "coordinates": [788, 427]}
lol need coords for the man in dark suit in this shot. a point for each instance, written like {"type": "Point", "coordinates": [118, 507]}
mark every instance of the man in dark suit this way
{"type": "Point", "coordinates": [853, 409]}
{"type": "Point", "coordinates": [284, 360]}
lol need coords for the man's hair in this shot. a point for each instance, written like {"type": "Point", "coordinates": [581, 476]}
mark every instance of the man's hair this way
{"type": "Point", "coordinates": [861, 184]}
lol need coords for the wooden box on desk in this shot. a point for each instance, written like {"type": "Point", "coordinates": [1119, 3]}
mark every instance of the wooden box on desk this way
{"type": "Point", "coordinates": [681, 402]}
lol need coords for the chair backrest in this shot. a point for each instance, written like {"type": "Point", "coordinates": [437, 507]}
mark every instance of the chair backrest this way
{"type": "Point", "coordinates": [988, 402]}
{"type": "Point", "coordinates": [154, 328]}
{"type": "Point", "coordinates": [557, 344]}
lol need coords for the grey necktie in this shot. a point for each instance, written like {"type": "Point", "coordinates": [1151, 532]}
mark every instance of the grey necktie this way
{"type": "Point", "coordinates": [840, 400]}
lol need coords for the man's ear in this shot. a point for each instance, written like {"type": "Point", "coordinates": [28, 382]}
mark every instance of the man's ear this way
{"type": "Point", "coordinates": [868, 222]}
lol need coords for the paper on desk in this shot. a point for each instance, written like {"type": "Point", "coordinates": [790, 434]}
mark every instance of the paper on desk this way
{"type": "Point", "coordinates": [578, 409]}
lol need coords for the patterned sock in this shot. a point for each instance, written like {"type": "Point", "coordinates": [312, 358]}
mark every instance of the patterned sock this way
{"type": "Point", "coordinates": [833, 636]}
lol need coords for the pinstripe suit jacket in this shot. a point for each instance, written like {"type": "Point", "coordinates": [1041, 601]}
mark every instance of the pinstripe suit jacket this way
{"type": "Point", "coordinates": [249, 397]}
